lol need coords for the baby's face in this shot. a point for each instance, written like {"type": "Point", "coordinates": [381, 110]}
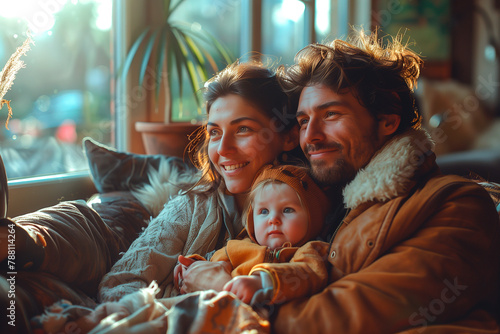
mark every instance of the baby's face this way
{"type": "Point", "coordinates": [278, 216]}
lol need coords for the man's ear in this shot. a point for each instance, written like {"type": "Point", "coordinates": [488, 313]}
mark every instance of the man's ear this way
{"type": "Point", "coordinates": [291, 139]}
{"type": "Point", "coordinates": [388, 124]}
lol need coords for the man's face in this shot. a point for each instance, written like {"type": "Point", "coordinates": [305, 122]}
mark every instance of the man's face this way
{"type": "Point", "coordinates": [337, 134]}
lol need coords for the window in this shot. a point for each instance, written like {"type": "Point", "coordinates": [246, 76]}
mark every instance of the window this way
{"type": "Point", "coordinates": [63, 93]}
{"type": "Point", "coordinates": [284, 28]}
{"type": "Point", "coordinates": [222, 20]}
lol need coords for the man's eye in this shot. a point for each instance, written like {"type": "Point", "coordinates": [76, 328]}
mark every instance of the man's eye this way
{"type": "Point", "coordinates": [330, 113]}
{"type": "Point", "coordinates": [303, 121]}
{"type": "Point", "coordinates": [288, 210]}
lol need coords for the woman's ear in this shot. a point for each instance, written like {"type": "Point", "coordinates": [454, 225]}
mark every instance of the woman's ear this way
{"type": "Point", "coordinates": [291, 139]}
{"type": "Point", "coordinates": [388, 124]}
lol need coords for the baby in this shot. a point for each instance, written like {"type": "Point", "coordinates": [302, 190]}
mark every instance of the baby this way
{"type": "Point", "coordinates": [275, 262]}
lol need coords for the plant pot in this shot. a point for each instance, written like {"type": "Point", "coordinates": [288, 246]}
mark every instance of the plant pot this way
{"type": "Point", "coordinates": [168, 139]}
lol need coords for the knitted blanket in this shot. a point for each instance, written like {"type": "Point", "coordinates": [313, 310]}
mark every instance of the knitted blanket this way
{"type": "Point", "coordinates": [199, 312]}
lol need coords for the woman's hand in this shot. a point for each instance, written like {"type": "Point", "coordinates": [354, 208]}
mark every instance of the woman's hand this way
{"type": "Point", "coordinates": [244, 287]}
{"type": "Point", "coordinates": [205, 275]}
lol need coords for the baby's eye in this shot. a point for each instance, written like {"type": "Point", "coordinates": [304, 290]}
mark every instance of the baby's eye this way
{"type": "Point", "coordinates": [263, 211]}
{"type": "Point", "coordinates": [288, 210]}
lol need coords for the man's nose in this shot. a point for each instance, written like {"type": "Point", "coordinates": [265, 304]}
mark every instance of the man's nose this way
{"type": "Point", "coordinates": [314, 131]}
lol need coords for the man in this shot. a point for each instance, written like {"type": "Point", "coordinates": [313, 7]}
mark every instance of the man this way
{"type": "Point", "coordinates": [417, 251]}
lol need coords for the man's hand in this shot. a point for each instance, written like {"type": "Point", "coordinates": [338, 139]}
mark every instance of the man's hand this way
{"type": "Point", "coordinates": [204, 275]}
{"type": "Point", "coordinates": [244, 287]}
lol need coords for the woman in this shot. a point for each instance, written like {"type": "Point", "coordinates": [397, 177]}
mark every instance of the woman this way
{"type": "Point", "coordinates": [247, 127]}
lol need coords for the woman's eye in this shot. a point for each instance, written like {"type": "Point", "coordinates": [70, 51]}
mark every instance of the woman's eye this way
{"type": "Point", "coordinates": [213, 133]}
{"type": "Point", "coordinates": [244, 129]}
{"type": "Point", "coordinates": [288, 210]}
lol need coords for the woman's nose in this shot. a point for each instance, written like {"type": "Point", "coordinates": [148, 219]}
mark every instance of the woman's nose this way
{"type": "Point", "coordinates": [226, 145]}
{"type": "Point", "coordinates": [314, 131]}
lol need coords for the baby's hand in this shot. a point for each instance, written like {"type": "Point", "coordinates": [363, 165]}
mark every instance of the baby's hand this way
{"type": "Point", "coordinates": [244, 287]}
{"type": "Point", "coordinates": [180, 267]}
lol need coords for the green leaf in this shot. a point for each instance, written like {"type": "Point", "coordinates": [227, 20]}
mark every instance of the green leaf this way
{"type": "Point", "coordinates": [175, 48]}
{"type": "Point", "coordinates": [171, 10]}
{"type": "Point", "coordinates": [160, 59]}
{"type": "Point", "coordinates": [223, 51]}
{"type": "Point", "coordinates": [166, 8]}
{"type": "Point", "coordinates": [196, 53]}
{"type": "Point", "coordinates": [131, 54]}
{"type": "Point", "coordinates": [189, 66]}
{"type": "Point", "coordinates": [187, 53]}
{"type": "Point", "coordinates": [209, 39]}
{"type": "Point", "coordinates": [147, 57]}
{"type": "Point", "coordinates": [206, 55]}
{"type": "Point", "coordinates": [211, 61]}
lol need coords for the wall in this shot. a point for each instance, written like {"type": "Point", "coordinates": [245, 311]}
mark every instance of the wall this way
{"type": "Point", "coordinates": [485, 74]}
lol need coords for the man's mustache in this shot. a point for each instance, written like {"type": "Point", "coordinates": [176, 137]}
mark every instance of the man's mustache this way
{"type": "Point", "coordinates": [311, 148]}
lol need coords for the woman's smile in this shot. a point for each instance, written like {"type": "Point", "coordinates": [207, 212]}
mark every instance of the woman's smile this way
{"type": "Point", "coordinates": [232, 167]}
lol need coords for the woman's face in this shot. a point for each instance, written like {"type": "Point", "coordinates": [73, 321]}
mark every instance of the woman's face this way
{"type": "Point", "coordinates": [242, 139]}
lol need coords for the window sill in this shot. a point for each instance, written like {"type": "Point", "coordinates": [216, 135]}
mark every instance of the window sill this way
{"type": "Point", "coordinates": [31, 194]}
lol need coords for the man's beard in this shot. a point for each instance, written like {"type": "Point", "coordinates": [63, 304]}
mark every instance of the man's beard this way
{"type": "Point", "coordinates": [339, 174]}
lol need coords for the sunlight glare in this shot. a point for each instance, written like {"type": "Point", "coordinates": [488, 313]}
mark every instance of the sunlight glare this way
{"type": "Point", "coordinates": [39, 15]}
{"type": "Point", "coordinates": [291, 10]}
{"type": "Point", "coordinates": [104, 15]}
{"type": "Point", "coordinates": [323, 16]}
{"type": "Point", "coordinates": [13, 9]}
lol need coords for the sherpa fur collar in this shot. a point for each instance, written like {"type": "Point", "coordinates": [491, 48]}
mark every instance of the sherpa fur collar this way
{"type": "Point", "coordinates": [389, 172]}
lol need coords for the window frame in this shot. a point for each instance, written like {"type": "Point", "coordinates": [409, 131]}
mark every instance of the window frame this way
{"type": "Point", "coordinates": [24, 194]}
{"type": "Point", "coordinates": [129, 18]}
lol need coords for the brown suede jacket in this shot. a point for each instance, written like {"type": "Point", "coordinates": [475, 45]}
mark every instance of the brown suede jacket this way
{"type": "Point", "coordinates": [417, 252]}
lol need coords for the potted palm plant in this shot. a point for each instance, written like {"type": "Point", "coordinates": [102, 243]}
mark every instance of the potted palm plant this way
{"type": "Point", "coordinates": [175, 54]}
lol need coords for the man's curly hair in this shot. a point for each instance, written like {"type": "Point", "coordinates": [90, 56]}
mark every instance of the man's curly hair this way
{"type": "Point", "coordinates": [382, 78]}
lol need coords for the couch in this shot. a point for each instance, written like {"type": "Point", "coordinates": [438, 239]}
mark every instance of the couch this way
{"type": "Point", "coordinates": [119, 178]}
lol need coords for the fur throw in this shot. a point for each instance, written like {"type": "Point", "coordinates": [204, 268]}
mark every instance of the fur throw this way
{"type": "Point", "coordinates": [163, 186]}
{"type": "Point", "coordinates": [389, 173]}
